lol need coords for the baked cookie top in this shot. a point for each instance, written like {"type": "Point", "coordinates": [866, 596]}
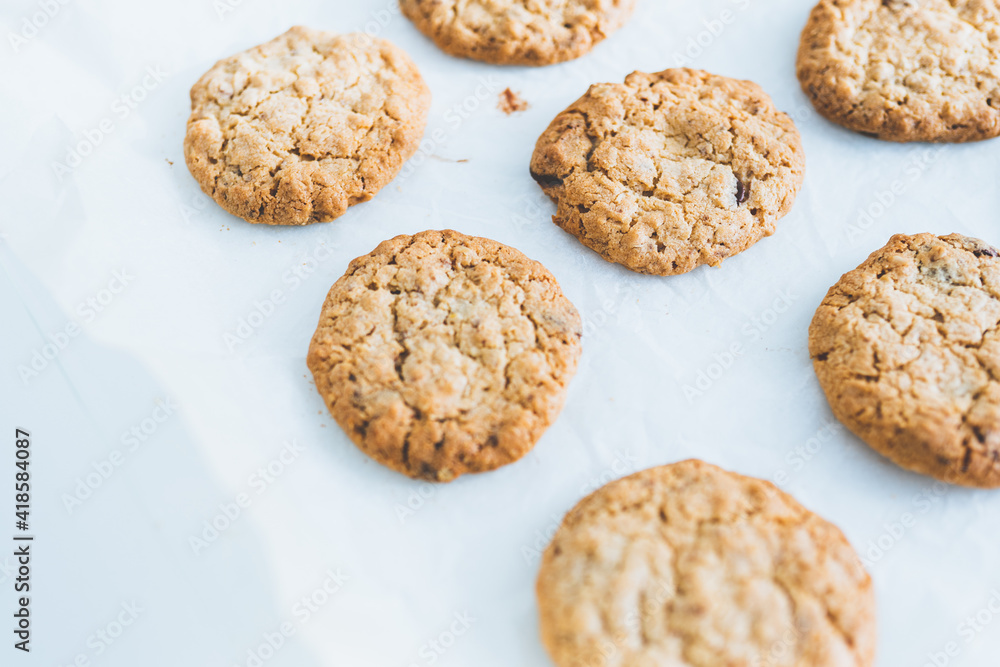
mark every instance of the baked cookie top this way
{"type": "Point", "coordinates": [907, 350]}
{"type": "Point", "coordinates": [517, 32]}
{"type": "Point", "coordinates": [442, 354]}
{"type": "Point", "coordinates": [688, 564]}
{"type": "Point", "coordinates": [670, 171]}
{"type": "Point", "coordinates": [905, 70]}
{"type": "Point", "coordinates": [296, 130]}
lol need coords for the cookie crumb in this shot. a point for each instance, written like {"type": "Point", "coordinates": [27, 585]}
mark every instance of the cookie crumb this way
{"type": "Point", "coordinates": [448, 159]}
{"type": "Point", "coordinates": [510, 102]}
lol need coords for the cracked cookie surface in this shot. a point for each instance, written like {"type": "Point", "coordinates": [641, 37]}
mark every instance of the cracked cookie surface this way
{"type": "Point", "coordinates": [670, 171]}
{"type": "Point", "coordinates": [907, 350]}
{"type": "Point", "coordinates": [297, 130]}
{"type": "Point", "coordinates": [688, 564]}
{"type": "Point", "coordinates": [905, 70]}
{"type": "Point", "coordinates": [517, 32]}
{"type": "Point", "coordinates": [442, 354]}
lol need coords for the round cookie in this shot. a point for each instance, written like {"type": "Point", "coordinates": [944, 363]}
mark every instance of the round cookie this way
{"type": "Point", "coordinates": [907, 350]}
{"type": "Point", "coordinates": [518, 32]}
{"type": "Point", "coordinates": [688, 564]}
{"type": "Point", "coordinates": [670, 171]}
{"type": "Point", "coordinates": [905, 70]}
{"type": "Point", "coordinates": [296, 130]}
{"type": "Point", "coordinates": [442, 354]}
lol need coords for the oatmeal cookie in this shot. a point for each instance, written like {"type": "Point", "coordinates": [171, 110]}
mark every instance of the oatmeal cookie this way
{"type": "Point", "coordinates": [688, 564]}
{"type": "Point", "coordinates": [296, 130]}
{"type": "Point", "coordinates": [670, 171]}
{"type": "Point", "coordinates": [442, 354]}
{"type": "Point", "coordinates": [907, 350]}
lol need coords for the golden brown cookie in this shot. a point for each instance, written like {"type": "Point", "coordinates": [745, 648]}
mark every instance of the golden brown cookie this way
{"type": "Point", "coordinates": [907, 350]}
{"type": "Point", "coordinates": [688, 564]}
{"type": "Point", "coordinates": [670, 171]}
{"type": "Point", "coordinates": [296, 130]}
{"type": "Point", "coordinates": [905, 70]}
{"type": "Point", "coordinates": [517, 32]}
{"type": "Point", "coordinates": [442, 354]}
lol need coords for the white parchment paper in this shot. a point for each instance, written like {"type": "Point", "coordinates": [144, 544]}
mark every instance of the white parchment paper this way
{"type": "Point", "coordinates": [123, 289]}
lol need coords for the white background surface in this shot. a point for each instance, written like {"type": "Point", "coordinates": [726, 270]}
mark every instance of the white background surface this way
{"type": "Point", "coordinates": [195, 272]}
